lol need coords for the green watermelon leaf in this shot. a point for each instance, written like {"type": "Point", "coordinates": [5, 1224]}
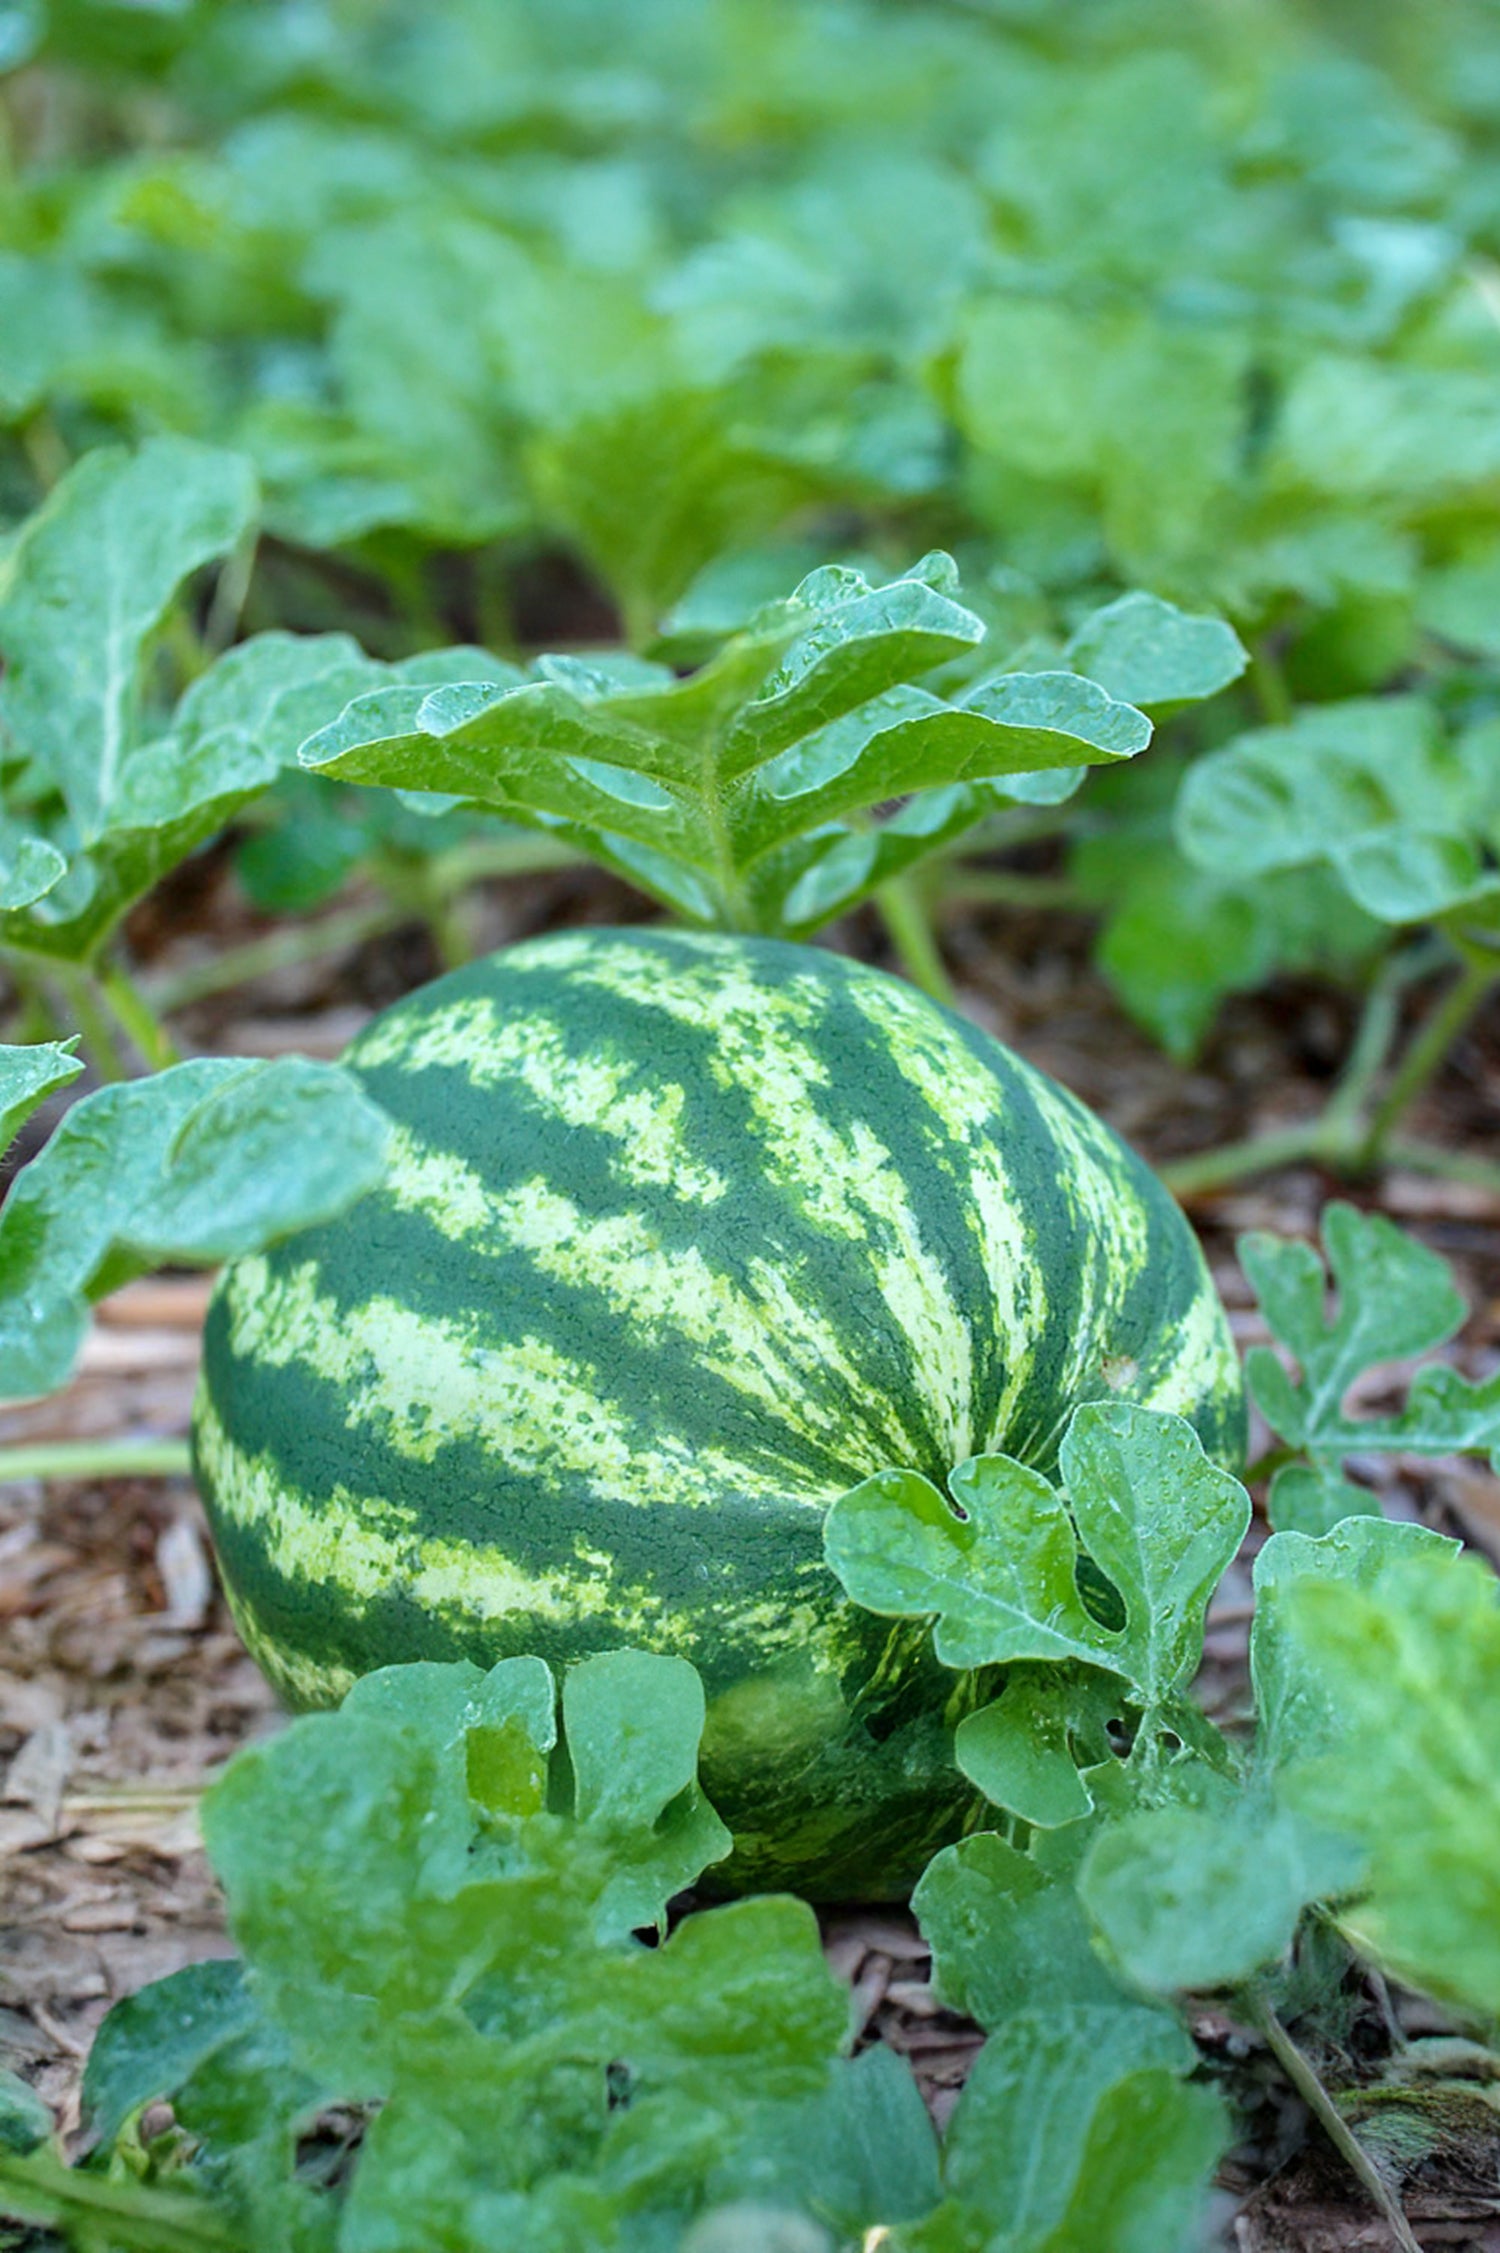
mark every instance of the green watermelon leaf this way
{"type": "Point", "coordinates": [721, 792]}
{"type": "Point", "coordinates": [1395, 1298]}
{"type": "Point", "coordinates": [1074, 2129]}
{"type": "Point", "coordinates": [1146, 2167]}
{"type": "Point", "coordinates": [27, 1077]}
{"type": "Point", "coordinates": [1028, 1752]}
{"type": "Point", "coordinates": [652, 489]}
{"type": "Point", "coordinates": [1406, 1656]}
{"type": "Point", "coordinates": [1372, 788]}
{"type": "Point", "coordinates": [998, 1568]}
{"type": "Point", "coordinates": [1179, 938]}
{"type": "Point", "coordinates": [1195, 1898]}
{"type": "Point", "coordinates": [25, 2118]}
{"type": "Point", "coordinates": [1313, 1498]}
{"type": "Point", "coordinates": [89, 580]}
{"type": "Point", "coordinates": [29, 868]}
{"type": "Point", "coordinates": [863, 2155]}
{"type": "Point", "coordinates": [1163, 1523]}
{"type": "Point", "coordinates": [116, 790]}
{"type": "Point", "coordinates": [1295, 1717]}
{"type": "Point", "coordinates": [461, 1962]}
{"type": "Point", "coordinates": [1148, 652]}
{"type": "Point", "coordinates": [201, 1163]}
{"type": "Point", "coordinates": [1008, 1934]}
{"type": "Point", "coordinates": [633, 1726]}
{"type": "Point", "coordinates": [157, 2039]}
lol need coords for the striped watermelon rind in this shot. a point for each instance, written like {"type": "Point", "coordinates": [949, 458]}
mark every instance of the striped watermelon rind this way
{"type": "Point", "coordinates": [683, 1236]}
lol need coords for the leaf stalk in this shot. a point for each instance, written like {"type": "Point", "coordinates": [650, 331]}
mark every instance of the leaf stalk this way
{"type": "Point", "coordinates": [903, 910]}
{"type": "Point", "coordinates": [1348, 1136]}
{"type": "Point", "coordinates": [1299, 2071]}
{"type": "Point", "coordinates": [97, 1459]}
{"type": "Point", "coordinates": [1426, 1053]}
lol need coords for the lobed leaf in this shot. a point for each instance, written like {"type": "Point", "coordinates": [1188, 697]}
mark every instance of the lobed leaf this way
{"type": "Point", "coordinates": [998, 1570]}
{"type": "Point", "coordinates": [862, 2156]}
{"type": "Point", "coordinates": [158, 2038]}
{"type": "Point", "coordinates": [27, 1077]}
{"type": "Point", "coordinates": [1197, 1898]}
{"type": "Point", "coordinates": [1078, 2115]}
{"type": "Point", "coordinates": [1144, 651]}
{"type": "Point", "coordinates": [201, 1163]}
{"type": "Point", "coordinates": [722, 792]}
{"type": "Point", "coordinates": [1372, 787]}
{"type": "Point", "coordinates": [1008, 1934]}
{"type": "Point", "coordinates": [1030, 1750]}
{"type": "Point", "coordinates": [1395, 1298]}
{"type": "Point", "coordinates": [1296, 1718]}
{"type": "Point", "coordinates": [633, 1726]}
{"type": "Point", "coordinates": [90, 578]}
{"type": "Point", "coordinates": [1163, 1523]}
{"type": "Point", "coordinates": [1406, 1657]}
{"type": "Point", "coordinates": [425, 1934]}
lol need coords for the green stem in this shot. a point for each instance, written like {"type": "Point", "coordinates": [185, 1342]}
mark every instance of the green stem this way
{"type": "Point", "coordinates": [1320, 2104]}
{"type": "Point", "coordinates": [39, 2189]}
{"type": "Point", "coordinates": [416, 889]}
{"type": "Point", "coordinates": [1006, 887]}
{"type": "Point", "coordinates": [638, 615]}
{"type": "Point", "coordinates": [904, 913]}
{"type": "Point", "coordinates": [435, 891]}
{"type": "Point", "coordinates": [285, 949]}
{"type": "Point", "coordinates": [734, 904]}
{"type": "Point", "coordinates": [1344, 1137]}
{"type": "Point", "coordinates": [1258, 1153]}
{"type": "Point", "coordinates": [97, 1459]}
{"type": "Point", "coordinates": [136, 1016]}
{"type": "Point", "coordinates": [1426, 1053]}
{"type": "Point", "coordinates": [1445, 1165]}
{"type": "Point", "coordinates": [521, 855]}
{"type": "Point", "coordinates": [93, 1021]}
{"type": "Point", "coordinates": [1378, 1025]}
{"type": "Point", "coordinates": [227, 607]}
{"type": "Point", "coordinates": [1266, 1466]}
{"type": "Point", "coordinates": [296, 943]}
{"type": "Point", "coordinates": [451, 934]}
{"type": "Point", "coordinates": [1268, 685]}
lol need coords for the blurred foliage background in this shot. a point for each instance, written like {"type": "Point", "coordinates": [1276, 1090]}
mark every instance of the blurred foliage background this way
{"type": "Point", "coordinates": [551, 324]}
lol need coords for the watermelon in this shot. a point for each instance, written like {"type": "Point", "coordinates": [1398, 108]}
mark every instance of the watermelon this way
{"type": "Point", "coordinates": [682, 1236]}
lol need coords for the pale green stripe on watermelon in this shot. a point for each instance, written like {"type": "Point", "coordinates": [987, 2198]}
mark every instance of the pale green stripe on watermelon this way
{"type": "Point", "coordinates": [1192, 1375]}
{"type": "Point", "coordinates": [356, 1547]}
{"type": "Point", "coordinates": [490, 1046]}
{"type": "Point", "coordinates": [761, 1041]}
{"type": "Point", "coordinates": [361, 1546]}
{"type": "Point", "coordinates": [420, 1383]}
{"type": "Point", "coordinates": [758, 1339]}
{"type": "Point", "coordinates": [844, 1181]}
{"type": "Point", "coordinates": [293, 1674]}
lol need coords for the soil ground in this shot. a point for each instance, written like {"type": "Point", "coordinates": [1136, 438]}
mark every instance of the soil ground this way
{"type": "Point", "coordinates": [123, 1686]}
